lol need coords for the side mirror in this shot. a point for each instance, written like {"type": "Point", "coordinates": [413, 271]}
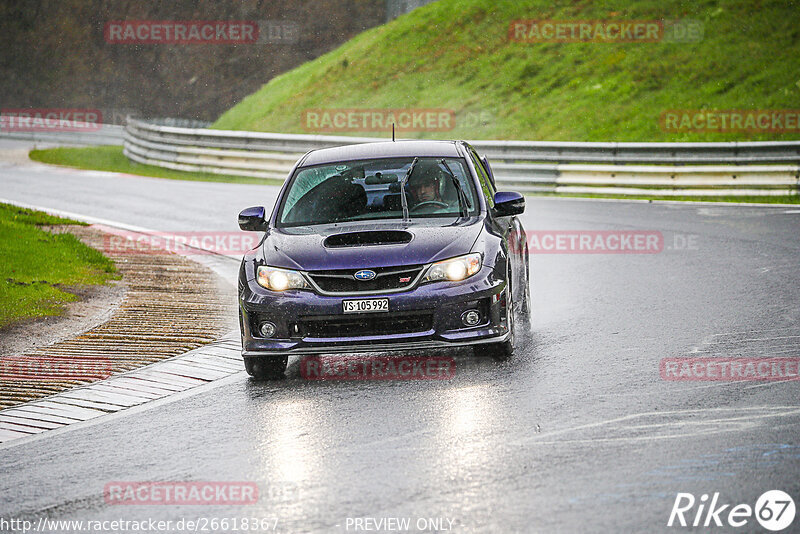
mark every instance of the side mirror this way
{"type": "Point", "coordinates": [253, 219]}
{"type": "Point", "coordinates": [507, 203]}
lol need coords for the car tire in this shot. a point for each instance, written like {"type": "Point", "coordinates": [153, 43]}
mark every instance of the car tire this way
{"type": "Point", "coordinates": [268, 368]}
{"type": "Point", "coordinates": [525, 307]}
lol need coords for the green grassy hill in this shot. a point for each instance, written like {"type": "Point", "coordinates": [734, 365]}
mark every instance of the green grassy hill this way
{"type": "Point", "coordinates": [456, 55]}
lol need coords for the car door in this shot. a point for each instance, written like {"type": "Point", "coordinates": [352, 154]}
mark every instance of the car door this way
{"type": "Point", "coordinates": [510, 227]}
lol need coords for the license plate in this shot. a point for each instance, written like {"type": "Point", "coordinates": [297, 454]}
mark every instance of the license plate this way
{"type": "Point", "coordinates": [365, 305]}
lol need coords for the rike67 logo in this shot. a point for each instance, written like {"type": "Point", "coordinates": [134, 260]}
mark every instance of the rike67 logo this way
{"type": "Point", "coordinates": [774, 510]}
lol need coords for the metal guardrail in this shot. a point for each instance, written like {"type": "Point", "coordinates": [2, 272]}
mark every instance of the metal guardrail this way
{"type": "Point", "coordinates": [107, 134]}
{"type": "Point", "coordinates": [93, 134]}
{"type": "Point", "coordinates": [693, 169]}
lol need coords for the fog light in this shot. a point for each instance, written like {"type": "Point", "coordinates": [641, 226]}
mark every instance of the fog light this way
{"type": "Point", "coordinates": [267, 329]}
{"type": "Point", "coordinates": [471, 318]}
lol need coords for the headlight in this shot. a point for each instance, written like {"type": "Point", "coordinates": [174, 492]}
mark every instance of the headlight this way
{"type": "Point", "coordinates": [280, 279]}
{"type": "Point", "coordinates": [454, 269]}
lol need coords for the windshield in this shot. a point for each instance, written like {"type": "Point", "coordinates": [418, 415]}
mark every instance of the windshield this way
{"type": "Point", "coordinates": [371, 189]}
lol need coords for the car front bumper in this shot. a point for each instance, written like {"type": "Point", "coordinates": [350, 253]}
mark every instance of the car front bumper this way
{"type": "Point", "coordinates": [434, 309]}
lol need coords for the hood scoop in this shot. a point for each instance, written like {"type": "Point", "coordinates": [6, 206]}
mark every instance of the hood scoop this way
{"type": "Point", "coordinates": [375, 237]}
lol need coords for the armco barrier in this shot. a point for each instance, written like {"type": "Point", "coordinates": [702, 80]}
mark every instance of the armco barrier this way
{"type": "Point", "coordinates": [107, 134]}
{"type": "Point", "coordinates": [693, 169]}
{"type": "Point", "coordinates": [104, 134]}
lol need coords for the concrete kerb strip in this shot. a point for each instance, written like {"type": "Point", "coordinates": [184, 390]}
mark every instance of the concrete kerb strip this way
{"type": "Point", "coordinates": [124, 391]}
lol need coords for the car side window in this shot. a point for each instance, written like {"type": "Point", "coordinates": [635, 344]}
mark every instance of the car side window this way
{"type": "Point", "coordinates": [483, 178]}
{"type": "Point", "coordinates": [304, 182]}
{"type": "Point", "coordinates": [485, 164]}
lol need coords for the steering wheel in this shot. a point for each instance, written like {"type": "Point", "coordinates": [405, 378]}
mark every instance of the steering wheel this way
{"type": "Point", "coordinates": [430, 203]}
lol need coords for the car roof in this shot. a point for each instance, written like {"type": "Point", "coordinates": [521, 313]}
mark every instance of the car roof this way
{"type": "Point", "coordinates": [382, 149]}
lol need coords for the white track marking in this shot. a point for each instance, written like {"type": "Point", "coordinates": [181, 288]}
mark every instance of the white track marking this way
{"type": "Point", "coordinates": [684, 428]}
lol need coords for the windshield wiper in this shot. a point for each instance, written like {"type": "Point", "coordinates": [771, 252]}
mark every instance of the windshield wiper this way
{"type": "Point", "coordinates": [403, 199]}
{"type": "Point", "coordinates": [462, 197]}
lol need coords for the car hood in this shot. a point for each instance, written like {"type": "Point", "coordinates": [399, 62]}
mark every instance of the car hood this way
{"type": "Point", "coordinates": [308, 248]}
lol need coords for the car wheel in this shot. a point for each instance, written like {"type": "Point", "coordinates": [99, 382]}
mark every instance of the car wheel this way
{"type": "Point", "coordinates": [268, 368]}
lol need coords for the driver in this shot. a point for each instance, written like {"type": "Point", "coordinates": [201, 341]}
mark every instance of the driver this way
{"type": "Point", "coordinates": [425, 187]}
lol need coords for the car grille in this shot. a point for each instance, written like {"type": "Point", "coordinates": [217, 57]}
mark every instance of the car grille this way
{"type": "Point", "coordinates": [363, 325]}
{"type": "Point", "coordinates": [387, 279]}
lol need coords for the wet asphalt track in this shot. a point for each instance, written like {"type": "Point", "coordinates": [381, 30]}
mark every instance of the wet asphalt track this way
{"type": "Point", "coordinates": [577, 432]}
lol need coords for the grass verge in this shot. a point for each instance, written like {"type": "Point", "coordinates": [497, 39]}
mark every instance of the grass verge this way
{"type": "Point", "coordinates": [39, 268]}
{"type": "Point", "coordinates": [111, 158]}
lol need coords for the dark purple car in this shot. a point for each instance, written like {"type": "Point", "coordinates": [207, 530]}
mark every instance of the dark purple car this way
{"type": "Point", "coordinates": [384, 246]}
